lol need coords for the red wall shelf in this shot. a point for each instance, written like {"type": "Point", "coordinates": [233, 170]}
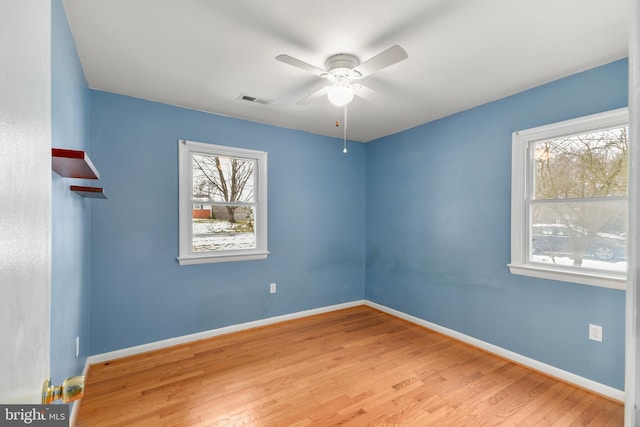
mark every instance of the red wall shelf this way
{"type": "Point", "coordinates": [76, 164]}
{"type": "Point", "coordinates": [73, 164]}
{"type": "Point", "coordinates": [92, 192]}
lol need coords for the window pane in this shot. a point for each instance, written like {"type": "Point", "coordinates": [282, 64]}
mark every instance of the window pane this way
{"type": "Point", "coordinates": [223, 228]}
{"type": "Point", "coordinates": [589, 234]}
{"type": "Point", "coordinates": [222, 179]}
{"type": "Point", "coordinates": [591, 164]}
{"type": "Point", "coordinates": [217, 225]}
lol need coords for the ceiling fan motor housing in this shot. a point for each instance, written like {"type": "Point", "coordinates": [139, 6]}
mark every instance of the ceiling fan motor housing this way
{"type": "Point", "coordinates": [341, 66]}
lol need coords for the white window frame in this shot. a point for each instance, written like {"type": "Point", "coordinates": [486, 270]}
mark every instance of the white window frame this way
{"type": "Point", "coordinates": [186, 255]}
{"type": "Point", "coordinates": [520, 182]}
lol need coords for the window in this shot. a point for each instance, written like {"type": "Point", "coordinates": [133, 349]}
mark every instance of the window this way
{"type": "Point", "coordinates": [569, 200]}
{"type": "Point", "coordinates": [223, 203]}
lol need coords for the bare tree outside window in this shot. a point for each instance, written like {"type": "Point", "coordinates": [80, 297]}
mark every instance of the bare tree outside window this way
{"type": "Point", "coordinates": [578, 166]}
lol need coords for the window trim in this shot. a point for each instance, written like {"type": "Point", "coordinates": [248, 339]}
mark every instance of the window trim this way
{"type": "Point", "coordinates": [185, 182]}
{"type": "Point", "coordinates": [519, 186]}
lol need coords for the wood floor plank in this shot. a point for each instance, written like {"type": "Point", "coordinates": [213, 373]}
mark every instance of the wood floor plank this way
{"type": "Point", "coordinates": [351, 367]}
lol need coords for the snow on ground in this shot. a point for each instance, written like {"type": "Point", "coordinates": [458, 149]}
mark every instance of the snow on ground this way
{"type": "Point", "coordinates": [620, 266]}
{"type": "Point", "coordinates": [220, 236]}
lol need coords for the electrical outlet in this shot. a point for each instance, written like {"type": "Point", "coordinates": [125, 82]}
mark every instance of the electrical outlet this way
{"type": "Point", "coordinates": [272, 288]}
{"type": "Point", "coordinates": [77, 347]}
{"type": "Point", "coordinates": [595, 332]}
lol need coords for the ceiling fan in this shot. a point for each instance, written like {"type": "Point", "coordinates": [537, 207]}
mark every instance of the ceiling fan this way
{"type": "Point", "coordinates": [342, 70]}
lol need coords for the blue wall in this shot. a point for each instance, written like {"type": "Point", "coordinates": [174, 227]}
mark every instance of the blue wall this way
{"type": "Point", "coordinates": [139, 292]}
{"type": "Point", "coordinates": [71, 214]}
{"type": "Point", "coordinates": [438, 231]}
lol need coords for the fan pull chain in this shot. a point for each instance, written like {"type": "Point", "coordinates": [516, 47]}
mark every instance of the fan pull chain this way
{"type": "Point", "coordinates": [344, 150]}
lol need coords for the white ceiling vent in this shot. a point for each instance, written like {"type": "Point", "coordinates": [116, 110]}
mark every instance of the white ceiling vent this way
{"type": "Point", "coordinates": [255, 99]}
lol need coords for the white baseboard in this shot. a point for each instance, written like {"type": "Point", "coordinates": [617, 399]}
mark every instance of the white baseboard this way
{"type": "Point", "coordinates": [552, 371]}
{"type": "Point", "coordinates": [117, 354]}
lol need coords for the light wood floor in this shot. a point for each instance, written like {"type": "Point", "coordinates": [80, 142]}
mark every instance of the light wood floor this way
{"type": "Point", "coordinates": [352, 367]}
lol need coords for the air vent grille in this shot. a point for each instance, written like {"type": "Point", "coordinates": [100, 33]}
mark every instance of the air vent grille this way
{"type": "Point", "coordinates": [254, 99]}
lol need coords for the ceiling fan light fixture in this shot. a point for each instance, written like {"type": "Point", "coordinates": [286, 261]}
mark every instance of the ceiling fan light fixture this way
{"type": "Point", "coordinates": [340, 94]}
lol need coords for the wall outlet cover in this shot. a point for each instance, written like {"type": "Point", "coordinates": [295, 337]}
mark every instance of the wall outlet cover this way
{"type": "Point", "coordinates": [595, 332]}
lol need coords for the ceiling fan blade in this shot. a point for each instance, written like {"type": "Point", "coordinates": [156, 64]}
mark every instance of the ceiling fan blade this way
{"type": "Point", "coordinates": [301, 64]}
{"type": "Point", "coordinates": [367, 94]}
{"type": "Point", "coordinates": [382, 60]}
{"type": "Point", "coordinates": [315, 95]}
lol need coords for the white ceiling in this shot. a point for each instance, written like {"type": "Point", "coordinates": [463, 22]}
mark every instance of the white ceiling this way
{"type": "Point", "coordinates": [202, 54]}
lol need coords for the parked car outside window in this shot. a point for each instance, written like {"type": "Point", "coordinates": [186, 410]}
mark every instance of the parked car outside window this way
{"type": "Point", "coordinates": [560, 239]}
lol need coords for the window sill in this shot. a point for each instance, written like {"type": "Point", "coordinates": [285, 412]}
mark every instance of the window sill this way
{"type": "Point", "coordinates": [211, 259]}
{"type": "Point", "coordinates": [603, 280]}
